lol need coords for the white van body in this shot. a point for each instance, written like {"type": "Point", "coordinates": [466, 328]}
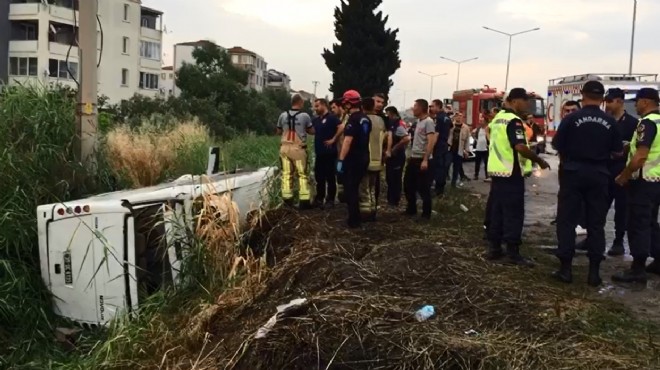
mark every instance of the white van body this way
{"type": "Point", "coordinates": [96, 252]}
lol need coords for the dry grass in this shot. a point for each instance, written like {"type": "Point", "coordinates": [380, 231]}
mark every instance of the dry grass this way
{"type": "Point", "coordinates": [146, 155]}
{"type": "Point", "coordinates": [363, 288]}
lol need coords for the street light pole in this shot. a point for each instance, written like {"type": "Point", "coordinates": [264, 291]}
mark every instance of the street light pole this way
{"type": "Point", "coordinates": [510, 35]}
{"type": "Point", "coordinates": [632, 41]}
{"type": "Point", "coordinates": [432, 78]}
{"type": "Point", "coordinates": [459, 62]}
{"type": "Point", "coordinates": [403, 106]}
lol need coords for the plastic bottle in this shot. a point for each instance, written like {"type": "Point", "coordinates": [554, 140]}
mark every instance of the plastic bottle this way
{"type": "Point", "coordinates": [424, 313]}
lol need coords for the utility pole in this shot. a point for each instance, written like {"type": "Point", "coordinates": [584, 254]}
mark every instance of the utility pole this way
{"type": "Point", "coordinates": [459, 62]}
{"type": "Point", "coordinates": [315, 83]}
{"type": "Point", "coordinates": [86, 113]}
{"type": "Point", "coordinates": [432, 78]}
{"type": "Point", "coordinates": [508, 61]}
{"type": "Point", "coordinates": [632, 41]}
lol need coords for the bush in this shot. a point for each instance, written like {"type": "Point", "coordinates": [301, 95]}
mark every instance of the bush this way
{"type": "Point", "coordinates": [149, 154]}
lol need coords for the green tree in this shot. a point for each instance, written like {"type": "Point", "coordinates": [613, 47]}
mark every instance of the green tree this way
{"type": "Point", "coordinates": [367, 53]}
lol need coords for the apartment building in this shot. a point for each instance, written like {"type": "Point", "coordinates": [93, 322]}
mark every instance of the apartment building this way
{"type": "Point", "coordinates": [183, 54]}
{"type": "Point", "coordinates": [42, 45]}
{"type": "Point", "coordinates": [254, 64]}
{"type": "Point", "coordinates": [5, 29]}
{"type": "Point", "coordinates": [278, 80]}
{"type": "Point", "coordinates": [167, 81]}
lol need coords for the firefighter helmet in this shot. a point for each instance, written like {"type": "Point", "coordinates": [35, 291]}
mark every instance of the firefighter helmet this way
{"type": "Point", "coordinates": [351, 97]}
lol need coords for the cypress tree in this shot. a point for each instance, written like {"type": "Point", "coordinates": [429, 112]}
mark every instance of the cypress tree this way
{"type": "Point", "coordinates": [367, 52]}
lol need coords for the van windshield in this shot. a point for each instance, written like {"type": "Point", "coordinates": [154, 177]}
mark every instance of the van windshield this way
{"type": "Point", "coordinates": [536, 107]}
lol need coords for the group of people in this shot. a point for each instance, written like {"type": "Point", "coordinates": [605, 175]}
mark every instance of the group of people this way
{"type": "Point", "coordinates": [605, 156]}
{"type": "Point", "coordinates": [609, 156]}
{"type": "Point", "coordinates": [356, 139]}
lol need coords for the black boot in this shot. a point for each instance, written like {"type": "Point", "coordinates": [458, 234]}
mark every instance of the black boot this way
{"type": "Point", "coordinates": [304, 205]}
{"type": "Point", "coordinates": [288, 203]}
{"type": "Point", "coordinates": [617, 248]}
{"type": "Point", "coordinates": [565, 272]}
{"type": "Point", "coordinates": [494, 252]}
{"type": "Point", "coordinates": [594, 274]}
{"type": "Point", "coordinates": [515, 258]}
{"type": "Point", "coordinates": [654, 267]}
{"type": "Point", "coordinates": [636, 273]}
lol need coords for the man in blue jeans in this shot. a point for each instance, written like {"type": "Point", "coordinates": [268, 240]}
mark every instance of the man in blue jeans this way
{"type": "Point", "coordinates": [441, 154]}
{"type": "Point", "coordinates": [459, 141]}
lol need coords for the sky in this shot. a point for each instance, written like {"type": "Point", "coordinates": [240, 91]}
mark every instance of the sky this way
{"type": "Point", "coordinates": [575, 37]}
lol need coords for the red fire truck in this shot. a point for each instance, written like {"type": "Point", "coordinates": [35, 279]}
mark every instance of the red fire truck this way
{"type": "Point", "coordinates": [474, 102]}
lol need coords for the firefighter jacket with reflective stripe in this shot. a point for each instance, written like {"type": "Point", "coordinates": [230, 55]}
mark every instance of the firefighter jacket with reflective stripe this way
{"type": "Point", "coordinates": [501, 155]}
{"type": "Point", "coordinates": [651, 170]}
{"type": "Point", "coordinates": [376, 140]}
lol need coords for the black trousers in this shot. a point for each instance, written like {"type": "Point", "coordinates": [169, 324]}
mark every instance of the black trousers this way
{"type": "Point", "coordinates": [619, 196]}
{"type": "Point", "coordinates": [481, 157]}
{"type": "Point", "coordinates": [351, 179]}
{"type": "Point", "coordinates": [505, 219]}
{"type": "Point", "coordinates": [643, 229]}
{"type": "Point", "coordinates": [457, 172]}
{"type": "Point", "coordinates": [588, 190]}
{"type": "Point", "coordinates": [325, 175]}
{"type": "Point", "coordinates": [416, 182]}
{"type": "Point", "coordinates": [441, 164]}
{"type": "Point", "coordinates": [394, 179]}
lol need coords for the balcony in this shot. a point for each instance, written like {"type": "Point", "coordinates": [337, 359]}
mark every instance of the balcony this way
{"type": "Point", "coordinates": [153, 65]}
{"type": "Point", "coordinates": [150, 33]}
{"type": "Point", "coordinates": [23, 46]}
{"type": "Point", "coordinates": [24, 10]}
{"type": "Point", "coordinates": [63, 14]}
{"type": "Point", "coordinates": [56, 48]}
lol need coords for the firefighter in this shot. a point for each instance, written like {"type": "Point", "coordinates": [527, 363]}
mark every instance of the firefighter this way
{"type": "Point", "coordinates": [585, 141]}
{"type": "Point", "coordinates": [380, 101]}
{"type": "Point", "coordinates": [354, 156]}
{"type": "Point", "coordinates": [626, 124]}
{"type": "Point", "coordinates": [294, 125]}
{"type": "Point", "coordinates": [509, 159]}
{"type": "Point", "coordinates": [325, 128]}
{"type": "Point", "coordinates": [371, 181]}
{"type": "Point", "coordinates": [337, 107]}
{"type": "Point", "coordinates": [644, 193]}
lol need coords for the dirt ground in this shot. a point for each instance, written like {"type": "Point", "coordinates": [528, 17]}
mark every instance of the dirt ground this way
{"type": "Point", "coordinates": [540, 210]}
{"type": "Point", "coordinates": [362, 288]}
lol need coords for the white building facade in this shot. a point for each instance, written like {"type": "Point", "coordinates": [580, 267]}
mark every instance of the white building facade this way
{"type": "Point", "coordinates": [42, 46]}
{"type": "Point", "coordinates": [183, 54]}
{"type": "Point", "coordinates": [167, 81]}
{"type": "Point", "coordinates": [253, 63]}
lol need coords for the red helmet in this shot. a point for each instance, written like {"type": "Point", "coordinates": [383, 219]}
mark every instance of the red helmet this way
{"type": "Point", "coordinates": [351, 97]}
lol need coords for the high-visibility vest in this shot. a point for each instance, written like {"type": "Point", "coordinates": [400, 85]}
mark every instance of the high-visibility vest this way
{"type": "Point", "coordinates": [651, 170]}
{"type": "Point", "coordinates": [500, 153]}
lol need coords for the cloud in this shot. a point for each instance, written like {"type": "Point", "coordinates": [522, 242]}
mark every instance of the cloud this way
{"type": "Point", "coordinates": [576, 36]}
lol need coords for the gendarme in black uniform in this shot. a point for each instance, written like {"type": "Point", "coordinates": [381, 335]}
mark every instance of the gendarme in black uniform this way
{"type": "Point", "coordinates": [356, 163]}
{"type": "Point", "coordinates": [586, 141]}
{"type": "Point", "coordinates": [626, 125]}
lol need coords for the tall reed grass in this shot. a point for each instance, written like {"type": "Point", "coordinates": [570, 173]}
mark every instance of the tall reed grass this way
{"type": "Point", "coordinates": [149, 154]}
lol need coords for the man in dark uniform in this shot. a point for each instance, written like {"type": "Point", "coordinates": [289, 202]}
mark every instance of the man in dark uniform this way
{"type": "Point", "coordinates": [586, 141]}
{"type": "Point", "coordinates": [508, 161]}
{"type": "Point", "coordinates": [643, 172]}
{"type": "Point", "coordinates": [325, 127]}
{"type": "Point", "coordinates": [626, 124]}
{"type": "Point", "coordinates": [354, 156]}
{"type": "Point", "coordinates": [441, 154]}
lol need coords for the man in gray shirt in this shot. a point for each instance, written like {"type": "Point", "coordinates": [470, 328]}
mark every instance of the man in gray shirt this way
{"type": "Point", "coordinates": [418, 175]}
{"type": "Point", "coordinates": [293, 126]}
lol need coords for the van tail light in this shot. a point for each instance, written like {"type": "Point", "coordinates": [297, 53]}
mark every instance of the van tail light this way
{"type": "Point", "coordinates": [86, 209]}
{"type": "Point", "coordinates": [60, 211]}
{"type": "Point", "coordinates": [77, 209]}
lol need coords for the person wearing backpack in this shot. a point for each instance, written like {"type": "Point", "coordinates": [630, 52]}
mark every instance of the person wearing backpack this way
{"type": "Point", "coordinates": [293, 126]}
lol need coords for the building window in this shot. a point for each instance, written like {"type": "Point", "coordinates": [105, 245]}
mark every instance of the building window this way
{"type": "Point", "coordinates": [125, 45]}
{"type": "Point", "coordinates": [150, 50]}
{"type": "Point", "coordinates": [234, 59]}
{"type": "Point", "coordinates": [126, 10]}
{"type": "Point", "coordinates": [148, 81]}
{"type": "Point", "coordinates": [163, 76]}
{"type": "Point", "coordinates": [124, 77]}
{"type": "Point", "coordinates": [171, 76]}
{"type": "Point", "coordinates": [58, 69]}
{"type": "Point", "coordinates": [23, 66]}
